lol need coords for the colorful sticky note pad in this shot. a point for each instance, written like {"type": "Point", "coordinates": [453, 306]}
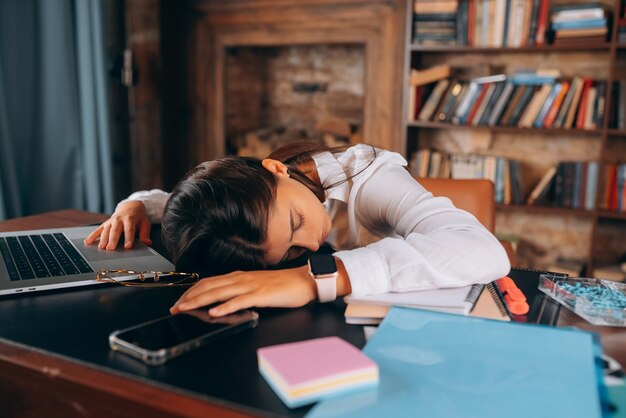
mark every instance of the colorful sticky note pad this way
{"type": "Point", "coordinates": [307, 371]}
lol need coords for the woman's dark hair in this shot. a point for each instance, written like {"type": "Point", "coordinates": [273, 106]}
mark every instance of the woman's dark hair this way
{"type": "Point", "coordinates": [216, 219]}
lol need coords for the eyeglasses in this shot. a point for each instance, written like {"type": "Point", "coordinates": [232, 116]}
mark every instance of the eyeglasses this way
{"type": "Point", "coordinates": [134, 278]}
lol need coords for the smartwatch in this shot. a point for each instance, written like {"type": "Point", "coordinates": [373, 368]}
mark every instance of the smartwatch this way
{"type": "Point", "coordinates": [323, 270]}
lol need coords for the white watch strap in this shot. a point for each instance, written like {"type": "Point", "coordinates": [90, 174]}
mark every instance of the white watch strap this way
{"type": "Point", "coordinates": [326, 288]}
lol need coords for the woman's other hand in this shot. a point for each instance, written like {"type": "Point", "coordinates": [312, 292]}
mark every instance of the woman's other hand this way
{"type": "Point", "coordinates": [128, 218]}
{"type": "Point", "coordinates": [289, 288]}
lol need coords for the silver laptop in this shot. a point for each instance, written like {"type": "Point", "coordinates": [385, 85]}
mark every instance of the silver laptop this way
{"type": "Point", "coordinates": [55, 258]}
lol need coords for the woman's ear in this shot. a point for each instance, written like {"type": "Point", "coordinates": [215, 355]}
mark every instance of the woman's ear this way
{"type": "Point", "coordinates": [275, 167]}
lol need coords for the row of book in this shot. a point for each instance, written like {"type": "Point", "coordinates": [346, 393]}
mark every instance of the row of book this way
{"type": "Point", "coordinates": [507, 23]}
{"type": "Point", "coordinates": [570, 184]}
{"type": "Point", "coordinates": [525, 100]}
{"type": "Point", "coordinates": [614, 197]}
{"type": "Point", "coordinates": [503, 172]}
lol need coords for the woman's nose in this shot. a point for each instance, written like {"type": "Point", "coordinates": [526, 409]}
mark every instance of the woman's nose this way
{"type": "Point", "coordinates": [309, 241]}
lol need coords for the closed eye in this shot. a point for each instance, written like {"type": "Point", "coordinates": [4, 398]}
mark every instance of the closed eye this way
{"type": "Point", "coordinates": [300, 221]}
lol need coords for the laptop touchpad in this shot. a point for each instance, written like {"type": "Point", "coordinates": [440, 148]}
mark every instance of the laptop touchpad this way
{"type": "Point", "coordinates": [93, 253]}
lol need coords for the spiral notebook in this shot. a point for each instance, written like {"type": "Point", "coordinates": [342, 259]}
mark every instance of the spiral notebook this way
{"type": "Point", "coordinates": [459, 300]}
{"type": "Point", "coordinates": [488, 305]}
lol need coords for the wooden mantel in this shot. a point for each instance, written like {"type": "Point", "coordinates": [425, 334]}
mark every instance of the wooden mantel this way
{"type": "Point", "coordinates": [378, 25]}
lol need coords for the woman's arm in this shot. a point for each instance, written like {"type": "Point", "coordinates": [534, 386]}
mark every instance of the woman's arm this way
{"type": "Point", "coordinates": [154, 201]}
{"type": "Point", "coordinates": [434, 244]}
{"type": "Point", "coordinates": [287, 288]}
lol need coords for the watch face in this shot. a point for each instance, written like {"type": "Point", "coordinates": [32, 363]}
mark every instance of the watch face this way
{"type": "Point", "coordinates": [322, 264]}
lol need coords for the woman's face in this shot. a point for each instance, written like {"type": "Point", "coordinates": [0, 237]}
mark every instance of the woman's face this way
{"type": "Point", "coordinates": [297, 221]}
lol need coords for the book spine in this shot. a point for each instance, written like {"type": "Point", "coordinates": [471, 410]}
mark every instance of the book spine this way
{"type": "Point", "coordinates": [501, 103]}
{"type": "Point", "coordinates": [592, 181]}
{"type": "Point", "coordinates": [541, 116]}
{"type": "Point", "coordinates": [517, 112]}
{"type": "Point", "coordinates": [499, 187]}
{"type": "Point", "coordinates": [542, 23]}
{"type": "Point", "coordinates": [497, 91]}
{"type": "Point", "coordinates": [551, 116]}
{"type": "Point", "coordinates": [567, 103]}
{"type": "Point", "coordinates": [576, 183]}
{"type": "Point", "coordinates": [533, 22]}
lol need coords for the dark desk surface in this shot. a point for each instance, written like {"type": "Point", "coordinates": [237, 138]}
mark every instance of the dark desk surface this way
{"type": "Point", "coordinates": [54, 352]}
{"type": "Point", "coordinates": [75, 325]}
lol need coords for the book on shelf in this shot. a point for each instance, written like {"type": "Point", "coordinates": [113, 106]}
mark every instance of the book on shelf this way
{"type": "Point", "coordinates": [552, 114]}
{"type": "Point", "coordinates": [571, 184]}
{"type": "Point", "coordinates": [614, 193]}
{"type": "Point", "coordinates": [540, 119]}
{"type": "Point", "coordinates": [435, 23]}
{"type": "Point", "coordinates": [582, 21]}
{"type": "Point", "coordinates": [433, 100]}
{"type": "Point", "coordinates": [447, 106]}
{"type": "Point", "coordinates": [430, 75]}
{"type": "Point", "coordinates": [540, 192]}
{"type": "Point", "coordinates": [434, 7]}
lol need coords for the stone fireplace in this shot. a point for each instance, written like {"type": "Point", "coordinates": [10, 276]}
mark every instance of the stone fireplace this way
{"type": "Point", "coordinates": [294, 69]}
{"type": "Point", "coordinates": [274, 95]}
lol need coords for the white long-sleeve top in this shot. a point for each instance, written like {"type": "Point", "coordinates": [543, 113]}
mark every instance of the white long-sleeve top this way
{"type": "Point", "coordinates": [393, 235]}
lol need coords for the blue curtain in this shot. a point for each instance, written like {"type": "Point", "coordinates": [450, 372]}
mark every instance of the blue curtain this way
{"type": "Point", "coordinates": [54, 138]}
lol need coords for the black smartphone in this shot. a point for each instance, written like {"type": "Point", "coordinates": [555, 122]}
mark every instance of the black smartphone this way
{"type": "Point", "coordinates": [158, 341]}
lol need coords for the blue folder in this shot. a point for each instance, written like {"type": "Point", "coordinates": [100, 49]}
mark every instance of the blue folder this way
{"type": "Point", "coordinates": [435, 364]}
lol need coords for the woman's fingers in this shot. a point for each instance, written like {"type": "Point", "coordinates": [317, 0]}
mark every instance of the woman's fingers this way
{"type": "Point", "coordinates": [219, 294]}
{"type": "Point", "coordinates": [104, 236]}
{"type": "Point", "coordinates": [129, 235]}
{"type": "Point", "coordinates": [211, 293]}
{"type": "Point", "coordinates": [235, 304]}
{"type": "Point", "coordinates": [144, 232]}
{"type": "Point", "coordinates": [91, 238]}
{"type": "Point", "coordinates": [114, 235]}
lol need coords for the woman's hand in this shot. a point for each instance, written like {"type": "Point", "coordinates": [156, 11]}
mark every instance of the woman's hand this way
{"type": "Point", "coordinates": [129, 217]}
{"type": "Point", "coordinates": [289, 288]}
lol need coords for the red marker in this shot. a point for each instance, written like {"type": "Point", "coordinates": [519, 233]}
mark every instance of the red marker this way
{"type": "Point", "coordinates": [513, 296]}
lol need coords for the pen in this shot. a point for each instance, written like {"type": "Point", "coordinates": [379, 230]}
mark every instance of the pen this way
{"type": "Point", "coordinates": [513, 296]}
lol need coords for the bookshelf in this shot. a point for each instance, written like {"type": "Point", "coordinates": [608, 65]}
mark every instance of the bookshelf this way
{"type": "Point", "coordinates": [574, 232]}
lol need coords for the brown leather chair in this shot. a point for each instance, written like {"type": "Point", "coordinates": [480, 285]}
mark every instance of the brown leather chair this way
{"type": "Point", "coordinates": [475, 196]}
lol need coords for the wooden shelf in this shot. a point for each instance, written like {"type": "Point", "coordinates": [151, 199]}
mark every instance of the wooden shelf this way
{"type": "Point", "coordinates": [583, 46]}
{"type": "Point", "coordinates": [608, 214]}
{"type": "Point", "coordinates": [508, 129]}
{"type": "Point", "coordinates": [616, 132]}
{"type": "Point", "coordinates": [553, 210]}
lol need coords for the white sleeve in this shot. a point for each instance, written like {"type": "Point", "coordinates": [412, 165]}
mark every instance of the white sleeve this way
{"type": "Point", "coordinates": [154, 200]}
{"type": "Point", "coordinates": [436, 244]}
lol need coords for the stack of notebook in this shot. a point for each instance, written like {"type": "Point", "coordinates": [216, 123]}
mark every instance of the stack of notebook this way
{"type": "Point", "coordinates": [307, 371]}
{"type": "Point", "coordinates": [477, 300]}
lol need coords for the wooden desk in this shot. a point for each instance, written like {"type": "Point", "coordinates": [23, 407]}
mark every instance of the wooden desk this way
{"type": "Point", "coordinates": [64, 365]}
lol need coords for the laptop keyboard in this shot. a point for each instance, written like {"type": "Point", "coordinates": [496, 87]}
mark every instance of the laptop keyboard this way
{"type": "Point", "coordinates": [47, 255]}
